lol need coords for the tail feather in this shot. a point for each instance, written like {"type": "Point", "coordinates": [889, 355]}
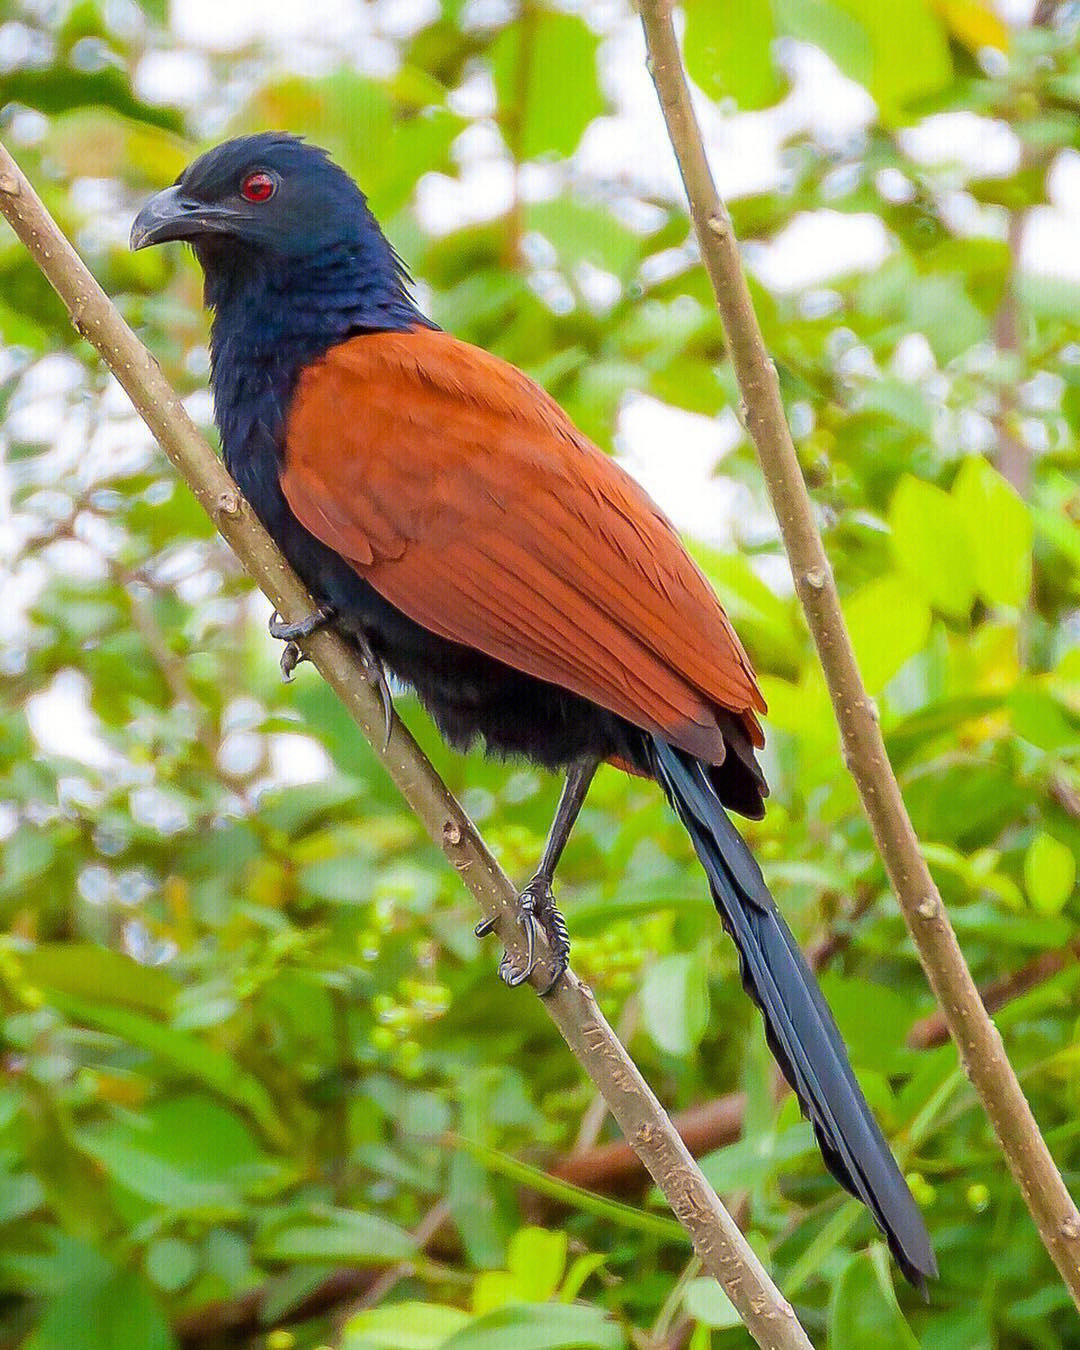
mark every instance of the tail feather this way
{"type": "Point", "coordinates": [798, 1024]}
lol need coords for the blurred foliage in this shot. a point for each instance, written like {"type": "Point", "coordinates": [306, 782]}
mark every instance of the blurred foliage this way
{"type": "Point", "coordinates": [248, 1036]}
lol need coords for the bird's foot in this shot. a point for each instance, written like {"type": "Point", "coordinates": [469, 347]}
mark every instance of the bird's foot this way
{"type": "Point", "coordinates": [291, 633]}
{"type": "Point", "coordinates": [376, 674]}
{"type": "Point", "coordinates": [536, 910]}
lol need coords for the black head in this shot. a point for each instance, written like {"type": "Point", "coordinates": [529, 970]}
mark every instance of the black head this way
{"type": "Point", "coordinates": [270, 193]}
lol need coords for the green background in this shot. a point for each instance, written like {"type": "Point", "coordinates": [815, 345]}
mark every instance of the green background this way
{"type": "Point", "coordinates": [249, 1040]}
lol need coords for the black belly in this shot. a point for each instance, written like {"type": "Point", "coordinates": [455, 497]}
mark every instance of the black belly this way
{"type": "Point", "coordinates": [468, 694]}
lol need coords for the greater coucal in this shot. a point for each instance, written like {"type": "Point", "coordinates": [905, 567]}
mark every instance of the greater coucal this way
{"type": "Point", "coordinates": [457, 527]}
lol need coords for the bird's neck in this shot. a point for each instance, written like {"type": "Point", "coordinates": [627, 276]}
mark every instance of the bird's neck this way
{"type": "Point", "coordinates": [273, 317]}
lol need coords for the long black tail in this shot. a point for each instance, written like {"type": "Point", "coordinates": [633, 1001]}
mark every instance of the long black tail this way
{"type": "Point", "coordinates": [798, 1024]}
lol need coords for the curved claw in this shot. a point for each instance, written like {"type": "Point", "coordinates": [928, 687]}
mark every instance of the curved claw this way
{"type": "Point", "coordinates": [536, 910]}
{"type": "Point", "coordinates": [373, 668]}
{"type": "Point", "coordinates": [290, 659]}
{"type": "Point", "coordinates": [290, 633]}
{"type": "Point", "coordinates": [527, 919]}
{"type": "Point", "coordinates": [387, 707]}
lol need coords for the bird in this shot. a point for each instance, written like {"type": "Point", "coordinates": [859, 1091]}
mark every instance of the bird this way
{"type": "Point", "coordinates": [455, 526]}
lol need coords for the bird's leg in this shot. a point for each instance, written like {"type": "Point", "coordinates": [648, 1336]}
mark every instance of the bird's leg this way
{"type": "Point", "coordinates": [293, 655]}
{"type": "Point", "coordinates": [376, 673]}
{"type": "Point", "coordinates": [289, 633]}
{"type": "Point", "coordinates": [536, 903]}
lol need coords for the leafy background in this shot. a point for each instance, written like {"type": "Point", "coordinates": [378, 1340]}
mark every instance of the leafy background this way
{"type": "Point", "coordinates": [261, 1086]}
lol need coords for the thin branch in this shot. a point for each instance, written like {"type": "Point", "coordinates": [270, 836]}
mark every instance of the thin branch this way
{"type": "Point", "coordinates": [1013, 456]}
{"type": "Point", "coordinates": [724, 1252]}
{"type": "Point", "coordinates": [613, 1167]}
{"type": "Point", "coordinates": [977, 1039]}
{"type": "Point", "coordinates": [931, 1031]}
{"type": "Point", "coordinates": [594, 1115]}
{"type": "Point", "coordinates": [424, 1233]}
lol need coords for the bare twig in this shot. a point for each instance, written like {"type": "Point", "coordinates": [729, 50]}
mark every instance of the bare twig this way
{"type": "Point", "coordinates": [1013, 456]}
{"type": "Point", "coordinates": [932, 1031]}
{"type": "Point", "coordinates": [611, 1167]}
{"type": "Point", "coordinates": [594, 1115]}
{"type": "Point", "coordinates": [979, 1043]}
{"type": "Point", "coordinates": [724, 1252]}
{"type": "Point", "coordinates": [380, 1288]}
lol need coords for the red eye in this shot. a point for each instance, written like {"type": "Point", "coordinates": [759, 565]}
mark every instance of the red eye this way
{"type": "Point", "coordinates": [258, 187]}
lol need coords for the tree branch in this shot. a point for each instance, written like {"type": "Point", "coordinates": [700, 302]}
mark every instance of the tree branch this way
{"type": "Point", "coordinates": [723, 1250]}
{"type": "Point", "coordinates": [932, 1031]}
{"type": "Point", "coordinates": [977, 1039]}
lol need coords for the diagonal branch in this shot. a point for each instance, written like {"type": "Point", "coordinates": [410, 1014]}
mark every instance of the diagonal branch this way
{"type": "Point", "coordinates": [723, 1250]}
{"type": "Point", "coordinates": [976, 1037]}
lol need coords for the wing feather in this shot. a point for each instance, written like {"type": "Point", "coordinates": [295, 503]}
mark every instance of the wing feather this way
{"type": "Point", "coordinates": [467, 498]}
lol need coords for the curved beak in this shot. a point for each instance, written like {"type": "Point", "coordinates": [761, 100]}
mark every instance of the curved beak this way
{"type": "Point", "coordinates": [171, 215]}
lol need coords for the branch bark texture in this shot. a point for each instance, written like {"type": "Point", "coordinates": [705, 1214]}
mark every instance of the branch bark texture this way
{"type": "Point", "coordinates": [723, 1250]}
{"type": "Point", "coordinates": [981, 1050]}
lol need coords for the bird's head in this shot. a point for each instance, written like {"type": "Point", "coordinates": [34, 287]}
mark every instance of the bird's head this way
{"type": "Point", "coordinates": [269, 193]}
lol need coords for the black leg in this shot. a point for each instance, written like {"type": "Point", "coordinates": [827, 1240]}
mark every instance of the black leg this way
{"type": "Point", "coordinates": [293, 655]}
{"type": "Point", "coordinates": [537, 900]}
{"type": "Point", "coordinates": [376, 674]}
{"type": "Point", "coordinates": [289, 633]}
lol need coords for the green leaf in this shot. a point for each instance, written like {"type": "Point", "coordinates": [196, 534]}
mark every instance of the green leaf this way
{"type": "Point", "coordinates": [1049, 874]}
{"type": "Point", "coordinates": [1038, 718]}
{"type": "Point", "coordinates": [576, 1197]}
{"type": "Point", "coordinates": [582, 1268]}
{"type": "Point", "coordinates": [537, 1258]}
{"type": "Point", "coordinates": [336, 1235]}
{"type": "Point", "coordinates": [171, 1263]}
{"type": "Point", "coordinates": [20, 1194]}
{"type": "Point", "coordinates": [88, 970]}
{"type": "Point", "coordinates": [728, 47]}
{"type": "Point", "coordinates": [864, 1311]}
{"type": "Point", "coordinates": [539, 1326]}
{"type": "Point", "coordinates": [936, 304]}
{"type": "Point", "coordinates": [930, 543]}
{"type": "Point", "coordinates": [193, 1057]}
{"type": "Point", "coordinates": [475, 1210]}
{"type": "Point", "coordinates": [764, 621]}
{"type": "Point", "coordinates": [888, 623]}
{"type": "Point", "coordinates": [675, 1002]}
{"type": "Point", "coordinates": [118, 1310]}
{"type": "Point", "coordinates": [706, 1302]}
{"type": "Point", "coordinates": [495, 1289]}
{"type": "Point", "coordinates": [187, 1153]}
{"type": "Point", "coordinates": [873, 1019]}
{"type": "Point", "coordinates": [544, 68]}
{"type": "Point", "coordinates": [580, 232]}
{"type": "Point", "coordinates": [828, 26]}
{"type": "Point", "coordinates": [748, 1162]}
{"type": "Point", "coordinates": [909, 49]}
{"type": "Point", "coordinates": [56, 89]}
{"type": "Point", "coordinates": [1000, 533]}
{"type": "Point", "coordinates": [404, 1326]}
